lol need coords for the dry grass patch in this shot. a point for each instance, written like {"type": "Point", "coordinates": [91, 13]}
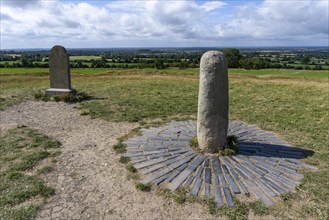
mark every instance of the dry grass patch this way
{"type": "Point", "coordinates": [22, 191]}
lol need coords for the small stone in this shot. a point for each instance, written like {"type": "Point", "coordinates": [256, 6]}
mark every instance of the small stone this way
{"type": "Point", "coordinates": [56, 215]}
{"type": "Point", "coordinates": [45, 213]}
{"type": "Point", "coordinates": [57, 209]}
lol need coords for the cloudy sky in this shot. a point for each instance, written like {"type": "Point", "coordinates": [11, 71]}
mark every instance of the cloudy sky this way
{"type": "Point", "coordinates": [162, 23]}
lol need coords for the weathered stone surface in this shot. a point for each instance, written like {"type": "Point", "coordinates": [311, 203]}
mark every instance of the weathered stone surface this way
{"type": "Point", "coordinates": [59, 68]}
{"type": "Point", "coordinates": [212, 122]}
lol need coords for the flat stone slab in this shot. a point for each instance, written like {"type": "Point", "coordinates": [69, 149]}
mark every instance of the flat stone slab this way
{"type": "Point", "coordinates": [265, 165]}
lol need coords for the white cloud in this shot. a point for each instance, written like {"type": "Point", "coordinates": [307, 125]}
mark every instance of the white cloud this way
{"type": "Point", "coordinates": [210, 6]}
{"type": "Point", "coordinates": [279, 20]}
{"type": "Point", "coordinates": [21, 3]}
{"type": "Point", "coordinates": [161, 23]}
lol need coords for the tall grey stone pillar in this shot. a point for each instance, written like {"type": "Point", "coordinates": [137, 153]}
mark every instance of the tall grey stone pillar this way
{"type": "Point", "coordinates": [59, 68]}
{"type": "Point", "coordinates": [212, 121]}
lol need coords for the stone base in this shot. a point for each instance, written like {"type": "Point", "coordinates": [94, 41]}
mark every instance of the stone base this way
{"type": "Point", "coordinates": [57, 92]}
{"type": "Point", "coordinates": [264, 166]}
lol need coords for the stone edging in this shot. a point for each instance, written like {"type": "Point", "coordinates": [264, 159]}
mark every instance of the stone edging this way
{"type": "Point", "coordinates": [265, 166]}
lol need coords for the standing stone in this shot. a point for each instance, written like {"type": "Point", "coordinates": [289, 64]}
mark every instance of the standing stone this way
{"type": "Point", "coordinates": [212, 121]}
{"type": "Point", "coordinates": [59, 68]}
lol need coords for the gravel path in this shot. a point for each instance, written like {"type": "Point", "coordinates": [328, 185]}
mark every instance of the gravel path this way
{"type": "Point", "coordinates": [90, 183]}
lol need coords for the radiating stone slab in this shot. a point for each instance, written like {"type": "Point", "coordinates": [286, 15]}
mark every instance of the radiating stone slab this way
{"type": "Point", "coordinates": [149, 162]}
{"type": "Point", "coordinates": [232, 184]}
{"type": "Point", "coordinates": [179, 180]}
{"type": "Point", "coordinates": [228, 197]}
{"type": "Point", "coordinates": [196, 162]}
{"type": "Point", "coordinates": [196, 186]}
{"type": "Point", "coordinates": [155, 175]}
{"type": "Point", "coordinates": [243, 187]}
{"type": "Point", "coordinates": [189, 181]}
{"type": "Point", "coordinates": [207, 190]}
{"type": "Point", "coordinates": [259, 193]}
{"type": "Point", "coordinates": [176, 172]}
{"type": "Point", "coordinates": [216, 164]}
{"type": "Point", "coordinates": [153, 168]}
{"type": "Point", "coordinates": [207, 175]}
{"type": "Point", "coordinates": [218, 196]}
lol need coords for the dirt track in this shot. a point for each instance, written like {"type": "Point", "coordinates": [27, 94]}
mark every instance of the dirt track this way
{"type": "Point", "coordinates": [90, 183]}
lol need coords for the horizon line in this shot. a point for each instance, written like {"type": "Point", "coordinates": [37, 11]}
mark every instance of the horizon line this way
{"type": "Point", "coordinates": [164, 47]}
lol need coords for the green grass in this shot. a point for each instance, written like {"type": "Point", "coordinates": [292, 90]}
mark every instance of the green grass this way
{"type": "Point", "coordinates": [131, 168]}
{"type": "Point", "coordinates": [24, 71]}
{"type": "Point", "coordinates": [143, 187]}
{"type": "Point", "coordinates": [194, 143]}
{"type": "Point", "coordinates": [169, 71]}
{"type": "Point", "coordinates": [17, 88]}
{"type": "Point", "coordinates": [124, 159]}
{"type": "Point", "coordinates": [120, 148]}
{"type": "Point", "coordinates": [45, 169]}
{"type": "Point", "coordinates": [84, 58]}
{"type": "Point", "coordinates": [182, 195]}
{"type": "Point", "coordinates": [231, 147]}
{"type": "Point", "coordinates": [259, 208]}
{"type": "Point", "coordinates": [283, 72]}
{"type": "Point", "coordinates": [21, 189]}
{"type": "Point", "coordinates": [24, 213]}
{"type": "Point", "coordinates": [141, 98]}
{"type": "Point", "coordinates": [294, 107]}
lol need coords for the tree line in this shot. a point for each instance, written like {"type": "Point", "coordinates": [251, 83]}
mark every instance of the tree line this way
{"type": "Point", "coordinates": [159, 60]}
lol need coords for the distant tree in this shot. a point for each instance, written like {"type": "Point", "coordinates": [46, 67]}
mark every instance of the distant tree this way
{"type": "Point", "coordinates": [246, 63]}
{"type": "Point", "coordinates": [233, 57]}
{"type": "Point", "coordinates": [317, 67]}
{"type": "Point", "coordinates": [98, 63]}
{"type": "Point", "coordinates": [26, 62]}
{"type": "Point", "coordinates": [183, 64]}
{"type": "Point", "coordinates": [259, 63]}
{"type": "Point", "coordinates": [305, 60]}
{"type": "Point", "coordinates": [159, 64]}
{"type": "Point", "coordinates": [284, 65]}
{"type": "Point", "coordinates": [79, 64]}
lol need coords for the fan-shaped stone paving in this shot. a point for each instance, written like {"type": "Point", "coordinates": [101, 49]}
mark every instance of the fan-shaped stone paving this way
{"type": "Point", "coordinates": [265, 166]}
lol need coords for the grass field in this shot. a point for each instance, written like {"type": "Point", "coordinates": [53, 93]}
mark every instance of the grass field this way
{"type": "Point", "coordinates": [284, 72]}
{"type": "Point", "coordinates": [170, 71]}
{"type": "Point", "coordinates": [295, 107]}
{"type": "Point", "coordinates": [72, 58]}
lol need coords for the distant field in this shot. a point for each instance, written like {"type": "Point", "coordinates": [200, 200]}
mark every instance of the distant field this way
{"type": "Point", "coordinates": [283, 72]}
{"type": "Point", "coordinates": [24, 71]}
{"type": "Point", "coordinates": [169, 71]}
{"type": "Point", "coordinates": [84, 58]}
{"type": "Point", "coordinates": [324, 67]}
